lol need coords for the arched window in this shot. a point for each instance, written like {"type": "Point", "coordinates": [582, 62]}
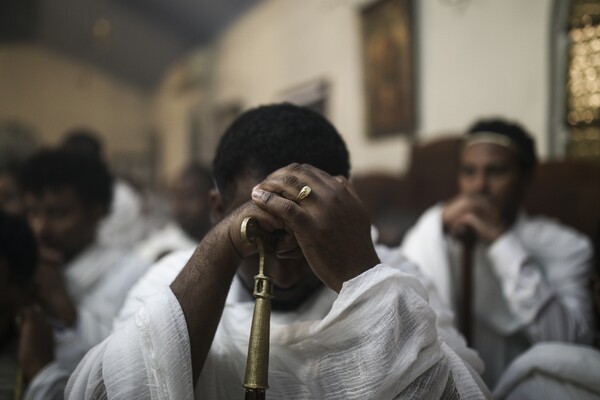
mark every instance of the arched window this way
{"type": "Point", "coordinates": [577, 122]}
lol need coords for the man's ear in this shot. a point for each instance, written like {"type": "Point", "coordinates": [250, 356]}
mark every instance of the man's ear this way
{"type": "Point", "coordinates": [217, 208]}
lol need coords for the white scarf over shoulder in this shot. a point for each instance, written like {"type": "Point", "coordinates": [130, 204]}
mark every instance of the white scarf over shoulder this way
{"type": "Point", "coordinates": [376, 341]}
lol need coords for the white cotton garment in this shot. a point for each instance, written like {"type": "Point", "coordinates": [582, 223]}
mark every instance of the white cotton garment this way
{"type": "Point", "coordinates": [163, 273]}
{"type": "Point", "coordinates": [168, 239]}
{"type": "Point", "coordinates": [529, 286]}
{"type": "Point", "coordinates": [552, 371]}
{"type": "Point", "coordinates": [98, 281]}
{"type": "Point", "coordinates": [125, 224]}
{"type": "Point", "coordinates": [376, 340]}
{"type": "Point", "coordinates": [48, 384]}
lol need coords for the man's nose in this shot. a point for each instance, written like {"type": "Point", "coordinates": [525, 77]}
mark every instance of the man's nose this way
{"type": "Point", "coordinates": [480, 183]}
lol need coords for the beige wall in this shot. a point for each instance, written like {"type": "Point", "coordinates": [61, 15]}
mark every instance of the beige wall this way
{"type": "Point", "coordinates": [52, 93]}
{"type": "Point", "coordinates": [476, 58]}
{"type": "Point", "coordinates": [485, 58]}
{"type": "Point", "coordinates": [181, 109]}
{"type": "Point", "coordinates": [284, 44]}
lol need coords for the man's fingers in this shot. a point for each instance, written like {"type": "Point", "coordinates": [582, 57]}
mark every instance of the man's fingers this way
{"type": "Point", "coordinates": [485, 207]}
{"type": "Point", "coordinates": [288, 182]}
{"type": "Point", "coordinates": [285, 209]}
{"type": "Point", "coordinates": [474, 222]}
{"type": "Point", "coordinates": [349, 186]}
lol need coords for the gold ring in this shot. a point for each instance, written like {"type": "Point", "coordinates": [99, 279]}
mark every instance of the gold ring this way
{"type": "Point", "coordinates": [304, 193]}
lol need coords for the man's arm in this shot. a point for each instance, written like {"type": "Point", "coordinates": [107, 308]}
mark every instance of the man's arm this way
{"type": "Point", "coordinates": [549, 294]}
{"type": "Point", "coordinates": [201, 289]}
{"type": "Point", "coordinates": [545, 288]}
{"type": "Point", "coordinates": [202, 286]}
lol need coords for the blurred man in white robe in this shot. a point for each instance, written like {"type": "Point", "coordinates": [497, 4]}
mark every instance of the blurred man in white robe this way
{"type": "Point", "coordinates": [530, 274]}
{"type": "Point", "coordinates": [26, 343]}
{"type": "Point", "coordinates": [189, 201]}
{"type": "Point", "coordinates": [81, 283]}
{"type": "Point", "coordinates": [552, 371]}
{"type": "Point", "coordinates": [126, 222]}
{"type": "Point", "coordinates": [345, 325]}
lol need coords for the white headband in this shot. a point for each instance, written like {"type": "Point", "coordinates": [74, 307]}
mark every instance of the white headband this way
{"type": "Point", "coordinates": [491, 138]}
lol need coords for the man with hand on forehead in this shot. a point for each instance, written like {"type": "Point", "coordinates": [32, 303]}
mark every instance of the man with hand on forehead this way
{"type": "Point", "coordinates": [529, 274]}
{"type": "Point", "coordinates": [344, 324]}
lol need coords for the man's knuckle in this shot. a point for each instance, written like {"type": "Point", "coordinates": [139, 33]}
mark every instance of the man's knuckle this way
{"type": "Point", "coordinates": [267, 198]}
{"type": "Point", "coordinates": [291, 180]}
{"type": "Point", "coordinates": [295, 167]}
{"type": "Point", "coordinates": [289, 208]}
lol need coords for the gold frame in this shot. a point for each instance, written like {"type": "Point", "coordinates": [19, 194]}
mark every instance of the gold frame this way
{"type": "Point", "coordinates": [388, 48]}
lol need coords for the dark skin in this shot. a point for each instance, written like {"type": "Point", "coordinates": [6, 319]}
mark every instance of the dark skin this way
{"type": "Point", "coordinates": [10, 194]}
{"type": "Point", "coordinates": [190, 204]}
{"type": "Point", "coordinates": [36, 340]}
{"type": "Point", "coordinates": [64, 226]}
{"type": "Point", "coordinates": [492, 187]}
{"type": "Point", "coordinates": [330, 228]}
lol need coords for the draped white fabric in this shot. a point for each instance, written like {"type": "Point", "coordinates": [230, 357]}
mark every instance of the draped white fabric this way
{"type": "Point", "coordinates": [162, 274]}
{"type": "Point", "coordinates": [48, 384]}
{"type": "Point", "coordinates": [552, 371]}
{"type": "Point", "coordinates": [98, 281]}
{"type": "Point", "coordinates": [125, 224]}
{"type": "Point", "coordinates": [377, 340]}
{"type": "Point", "coordinates": [166, 240]}
{"type": "Point", "coordinates": [529, 286]}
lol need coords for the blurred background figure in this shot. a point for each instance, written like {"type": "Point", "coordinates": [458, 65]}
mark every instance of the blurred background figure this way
{"type": "Point", "coordinates": [26, 341]}
{"type": "Point", "coordinates": [17, 142]}
{"type": "Point", "coordinates": [10, 192]}
{"type": "Point", "coordinates": [81, 281]}
{"type": "Point", "coordinates": [552, 370]}
{"type": "Point", "coordinates": [529, 276]}
{"type": "Point", "coordinates": [190, 211]}
{"type": "Point", "coordinates": [124, 225]}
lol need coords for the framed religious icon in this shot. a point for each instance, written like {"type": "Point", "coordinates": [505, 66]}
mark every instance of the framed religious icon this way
{"type": "Point", "coordinates": [313, 95]}
{"type": "Point", "coordinates": [388, 47]}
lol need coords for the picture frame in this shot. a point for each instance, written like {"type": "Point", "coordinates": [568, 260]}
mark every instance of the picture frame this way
{"type": "Point", "coordinates": [313, 95]}
{"type": "Point", "coordinates": [389, 67]}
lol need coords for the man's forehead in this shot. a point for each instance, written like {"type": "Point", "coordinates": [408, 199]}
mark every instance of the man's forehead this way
{"type": "Point", "coordinates": [54, 195]}
{"type": "Point", "coordinates": [487, 153]}
{"type": "Point", "coordinates": [241, 190]}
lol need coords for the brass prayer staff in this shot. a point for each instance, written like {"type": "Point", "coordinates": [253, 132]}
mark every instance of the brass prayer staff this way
{"type": "Point", "coordinates": [257, 364]}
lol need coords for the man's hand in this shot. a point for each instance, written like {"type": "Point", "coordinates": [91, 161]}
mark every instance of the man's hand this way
{"type": "Point", "coordinates": [36, 343]}
{"type": "Point", "coordinates": [51, 289]}
{"type": "Point", "coordinates": [331, 225]}
{"type": "Point", "coordinates": [470, 214]}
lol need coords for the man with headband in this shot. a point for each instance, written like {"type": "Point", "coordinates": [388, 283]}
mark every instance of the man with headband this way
{"type": "Point", "coordinates": [529, 275]}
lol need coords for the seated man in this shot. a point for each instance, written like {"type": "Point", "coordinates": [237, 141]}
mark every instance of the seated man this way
{"type": "Point", "coordinates": [191, 213]}
{"type": "Point", "coordinates": [81, 283]}
{"type": "Point", "coordinates": [125, 223]}
{"type": "Point", "coordinates": [344, 325]}
{"type": "Point", "coordinates": [26, 345]}
{"type": "Point", "coordinates": [530, 275]}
